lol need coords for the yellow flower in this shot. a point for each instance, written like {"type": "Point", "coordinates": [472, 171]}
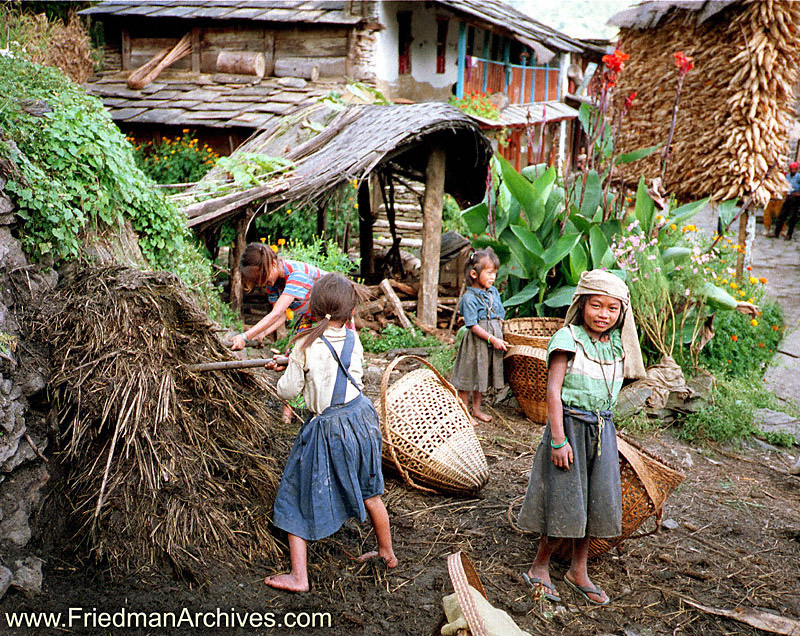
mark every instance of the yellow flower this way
{"type": "Point", "coordinates": [289, 314]}
{"type": "Point", "coordinates": [274, 248]}
{"type": "Point", "coordinates": [672, 226]}
{"type": "Point", "coordinates": [753, 280]}
{"type": "Point", "coordinates": [734, 285]}
{"type": "Point", "coordinates": [288, 210]}
{"type": "Point", "coordinates": [724, 281]}
{"type": "Point", "coordinates": [741, 292]}
{"type": "Point", "coordinates": [750, 300]}
{"type": "Point", "coordinates": [754, 322]}
{"type": "Point", "coordinates": [355, 206]}
{"type": "Point", "coordinates": [281, 241]}
{"type": "Point", "coordinates": [263, 239]}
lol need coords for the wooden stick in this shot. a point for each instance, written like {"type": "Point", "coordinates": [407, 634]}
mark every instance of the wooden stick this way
{"type": "Point", "coordinates": [237, 364]}
{"type": "Point", "coordinates": [395, 304]}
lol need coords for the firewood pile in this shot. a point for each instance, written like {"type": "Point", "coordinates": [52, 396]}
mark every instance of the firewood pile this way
{"type": "Point", "coordinates": [393, 301]}
{"type": "Point", "coordinates": [735, 107]}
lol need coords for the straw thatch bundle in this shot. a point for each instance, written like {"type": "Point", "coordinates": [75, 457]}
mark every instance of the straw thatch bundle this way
{"type": "Point", "coordinates": [735, 106]}
{"type": "Point", "coordinates": [162, 462]}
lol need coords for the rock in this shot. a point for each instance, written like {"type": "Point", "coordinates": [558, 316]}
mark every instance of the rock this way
{"type": "Point", "coordinates": [669, 524]}
{"type": "Point", "coordinates": [5, 580]}
{"type": "Point", "coordinates": [25, 453]}
{"type": "Point", "coordinates": [28, 575]}
{"type": "Point", "coordinates": [14, 430]}
{"type": "Point", "coordinates": [30, 382]}
{"type": "Point", "coordinates": [19, 496]}
{"type": "Point", "coordinates": [373, 374]}
{"type": "Point", "coordinates": [6, 207]}
{"type": "Point", "coordinates": [770, 421]}
{"type": "Point", "coordinates": [292, 82]}
{"type": "Point", "coordinates": [632, 399]}
{"type": "Point", "coordinates": [11, 254]}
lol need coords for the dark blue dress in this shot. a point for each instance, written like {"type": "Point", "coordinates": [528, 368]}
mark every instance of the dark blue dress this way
{"type": "Point", "coordinates": [335, 463]}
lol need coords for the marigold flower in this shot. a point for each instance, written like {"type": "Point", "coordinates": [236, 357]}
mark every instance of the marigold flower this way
{"type": "Point", "coordinates": [734, 286]}
{"type": "Point", "coordinates": [753, 280]}
{"type": "Point", "coordinates": [741, 292]}
{"type": "Point", "coordinates": [281, 241]}
{"type": "Point", "coordinates": [274, 248]}
{"type": "Point", "coordinates": [288, 210]}
{"type": "Point", "coordinates": [754, 322]}
{"type": "Point", "coordinates": [263, 239]}
{"type": "Point", "coordinates": [355, 206]}
{"type": "Point", "coordinates": [775, 327]}
{"type": "Point", "coordinates": [672, 226]}
{"type": "Point", "coordinates": [749, 269]}
{"type": "Point", "coordinates": [735, 338]}
{"type": "Point", "coordinates": [762, 280]}
{"type": "Point", "coordinates": [760, 345]}
{"type": "Point", "coordinates": [289, 314]}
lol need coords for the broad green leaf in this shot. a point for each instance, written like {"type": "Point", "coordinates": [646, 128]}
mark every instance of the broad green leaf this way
{"type": "Point", "coordinates": [727, 211]}
{"type": "Point", "coordinates": [524, 192]}
{"type": "Point", "coordinates": [516, 270]}
{"type": "Point", "coordinates": [531, 244]}
{"type": "Point", "coordinates": [500, 248]}
{"type": "Point", "coordinates": [586, 115]}
{"type": "Point", "coordinates": [635, 155]}
{"type": "Point", "coordinates": [645, 208]}
{"type": "Point", "coordinates": [717, 298]}
{"type": "Point", "coordinates": [561, 297]}
{"type": "Point", "coordinates": [687, 211]}
{"type": "Point", "coordinates": [522, 255]}
{"type": "Point", "coordinates": [598, 246]}
{"type": "Point", "coordinates": [581, 222]}
{"type": "Point", "coordinates": [556, 252]}
{"type": "Point", "coordinates": [529, 292]}
{"type": "Point", "coordinates": [578, 262]}
{"type": "Point", "coordinates": [675, 254]}
{"type": "Point", "coordinates": [592, 195]}
{"type": "Point", "coordinates": [533, 172]}
{"type": "Point", "coordinates": [476, 217]}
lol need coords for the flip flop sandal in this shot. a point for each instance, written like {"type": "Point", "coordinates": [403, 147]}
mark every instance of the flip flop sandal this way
{"type": "Point", "coordinates": [584, 591]}
{"type": "Point", "coordinates": [537, 585]}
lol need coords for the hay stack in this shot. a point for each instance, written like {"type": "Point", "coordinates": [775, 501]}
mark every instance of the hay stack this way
{"type": "Point", "coordinates": [161, 462]}
{"type": "Point", "coordinates": [735, 106]}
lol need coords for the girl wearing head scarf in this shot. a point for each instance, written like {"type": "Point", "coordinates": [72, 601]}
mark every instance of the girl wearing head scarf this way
{"type": "Point", "coordinates": [574, 487]}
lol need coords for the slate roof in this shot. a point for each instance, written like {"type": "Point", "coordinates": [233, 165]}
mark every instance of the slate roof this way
{"type": "Point", "coordinates": [351, 146]}
{"type": "Point", "coordinates": [647, 15]}
{"type": "Point", "coordinates": [186, 99]}
{"type": "Point", "coordinates": [313, 11]}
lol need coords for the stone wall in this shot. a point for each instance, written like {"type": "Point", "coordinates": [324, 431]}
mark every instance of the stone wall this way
{"type": "Point", "coordinates": [24, 433]}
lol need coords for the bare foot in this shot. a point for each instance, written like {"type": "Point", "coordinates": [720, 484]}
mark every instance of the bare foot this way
{"type": "Point", "coordinates": [483, 417]}
{"type": "Point", "coordinates": [287, 583]}
{"type": "Point", "coordinates": [390, 559]}
{"type": "Point", "coordinates": [287, 414]}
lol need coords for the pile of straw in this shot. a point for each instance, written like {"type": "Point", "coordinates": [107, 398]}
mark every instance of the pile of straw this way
{"type": "Point", "coordinates": [162, 463]}
{"type": "Point", "coordinates": [736, 104]}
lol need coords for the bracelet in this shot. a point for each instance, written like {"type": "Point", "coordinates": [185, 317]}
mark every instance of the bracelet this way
{"type": "Point", "coordinates": [245, 338]}
{"type": "Point", "coordinates": [561, 445]}
{"type": "Point", "coordinates": [489, 339]}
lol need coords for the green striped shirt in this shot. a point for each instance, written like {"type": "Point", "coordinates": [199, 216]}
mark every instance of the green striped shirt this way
{"type": "Point", "coordinates": [594, 368]}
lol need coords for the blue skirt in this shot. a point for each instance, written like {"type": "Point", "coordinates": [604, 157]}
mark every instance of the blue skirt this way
{"type": "Point", "coordinates": [334, 465]}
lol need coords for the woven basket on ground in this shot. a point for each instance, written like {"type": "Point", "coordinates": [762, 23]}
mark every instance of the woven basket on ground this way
{"type": "Point", "coordinates": [428, 434]}
{"type": "Point", "coordinates": [534, 332]}
{"type": "Point", "coordinates": [646, 482]}
{"type": "Point", "coordinates": [526, 373]}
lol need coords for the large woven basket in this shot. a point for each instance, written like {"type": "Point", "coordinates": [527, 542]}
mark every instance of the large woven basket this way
{"type": "Point", "coordinates": [646, 482]}
{"type": "Point", "coordinates": [428, 434]}
{"type": "Point", "coordinates": [526, 373]}
{"type": "Point", "coordinates": [534, 332]}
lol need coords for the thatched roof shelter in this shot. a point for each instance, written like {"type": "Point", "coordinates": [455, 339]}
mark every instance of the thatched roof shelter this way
{"type": "Point", "coordinates": [431, 142]}
{"type": "Point", "coordinates": [736, 105]}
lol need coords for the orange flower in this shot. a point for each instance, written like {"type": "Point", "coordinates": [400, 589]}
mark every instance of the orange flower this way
{"type": "Point", "coordinates": [683, 62]}
{"type": "Point", "coordinates": [616, 61]}
{"type": "Point", "coordinates": [274, 248]}
{"type": "Point", "coordinates": [762, 280]}
{"type": "Point", "coordinates": [754, 322]}
{"type": "Point", "coordinates": [281, 241]}
{"type": "Point", "coordinates": [775, 327]}
{"type": "Point", "coordinates": [289, 314]}
{"type": "Point", "coordinates": [760, 345]}
{"type": "Point", "coordinates": [735, 338]}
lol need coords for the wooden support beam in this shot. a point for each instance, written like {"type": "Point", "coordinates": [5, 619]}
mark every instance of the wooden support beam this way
{"type": "Point", "coordinates": [322, 219]}
{"type": "Point", "coordinates": [431, 236]}
{"type": "Point", "coordinates": [366, 219]}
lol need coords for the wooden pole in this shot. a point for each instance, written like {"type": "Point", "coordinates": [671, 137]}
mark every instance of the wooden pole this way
{"type": "Point", "coordinates": [431, 236]}
{"type": "Point", "coordinates": [395, 304]}
{"type": "Point", "coordinates": [322, 219]}
{"type": "Point", "coordinates": [741, 240]}
{"type": "Point", "coordinates": [237, 295]}
{"type": "Point", "coordinates": [365, 222]}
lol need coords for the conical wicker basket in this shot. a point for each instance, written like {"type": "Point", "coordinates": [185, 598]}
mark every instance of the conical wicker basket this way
{"type": "Point", "coordinates": [646, 482]}
{"type": "Point", "coordinates": [534, 332]}
{"type": "Point", "coordinates": [428, 434]}
{"type": "Point", "coordinates": [526, 373]}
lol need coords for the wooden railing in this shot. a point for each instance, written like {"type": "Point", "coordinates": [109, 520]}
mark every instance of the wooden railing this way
{"type": "Point", "coordinates": [522, 84]}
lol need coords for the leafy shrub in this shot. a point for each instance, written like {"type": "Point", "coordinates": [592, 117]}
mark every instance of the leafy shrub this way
{"type": "Point", "coordinates": [326, 255]}
{"type": "Point", "coordinates": [174, 160]}
{"type": "Point", "coordinates": [394, 337]}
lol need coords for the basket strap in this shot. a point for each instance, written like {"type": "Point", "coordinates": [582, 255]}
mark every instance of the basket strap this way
{"type": "Point", "coordinates": [388, 433]}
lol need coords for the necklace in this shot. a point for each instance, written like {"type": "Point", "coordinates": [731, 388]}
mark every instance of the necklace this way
{"type": "Point", "coordinates": [603, 372]}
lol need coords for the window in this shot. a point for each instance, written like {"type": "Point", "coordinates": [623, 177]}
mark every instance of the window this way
{"type": "Point", "coordinates": [470, 40]}
{"type": "Point", "coordinates": [404, 42]}
{"type": "Point", "coordinates": [441, 43]}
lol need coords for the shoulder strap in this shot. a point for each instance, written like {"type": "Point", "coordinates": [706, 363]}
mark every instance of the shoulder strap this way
{"type": "Point", "coordinates": [340, 387]}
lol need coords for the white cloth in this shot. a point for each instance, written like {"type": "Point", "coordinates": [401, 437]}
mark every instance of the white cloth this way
{"type": "Point", "coordinates": [496, 621]}
{"type": "Point", "coordinates": [313, 371]}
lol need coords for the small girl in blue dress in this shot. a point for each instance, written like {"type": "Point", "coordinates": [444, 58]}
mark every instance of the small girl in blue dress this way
{"type": "Point", "coordinates": [334, 468]}
{"type": "Point", "coordinates": [479, 363]}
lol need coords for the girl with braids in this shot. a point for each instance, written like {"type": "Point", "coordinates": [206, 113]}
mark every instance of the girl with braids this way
{"type": "Point", "coordinates": [334, 468]}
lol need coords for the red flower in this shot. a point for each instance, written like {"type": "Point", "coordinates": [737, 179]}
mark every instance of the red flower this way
{"type": "Point", "coordinates": [629, 100]}
{"type": "Point", "coordinates": [616, 60]}
{"type": "Point", "coordinates": [684, 63]}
